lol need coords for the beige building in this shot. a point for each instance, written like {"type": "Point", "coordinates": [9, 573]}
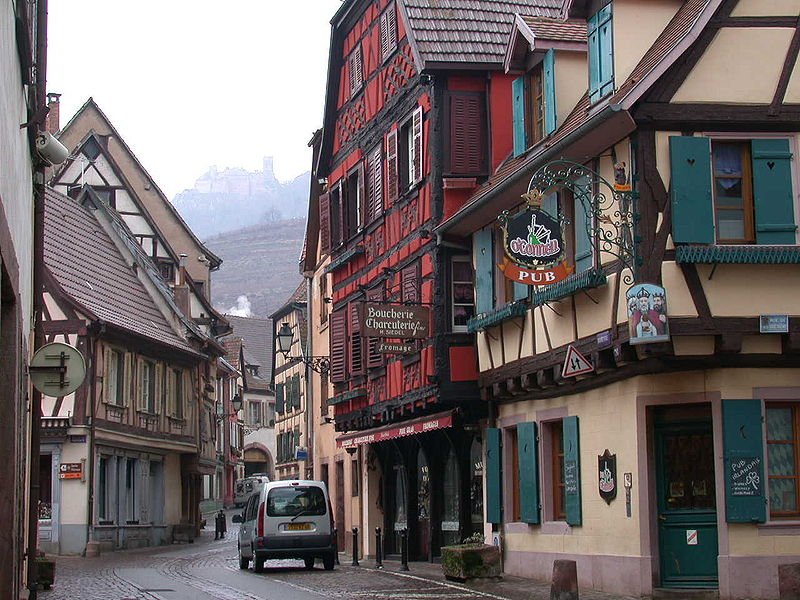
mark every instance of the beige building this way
{"type": "Point", "coordinates": [644, 409]}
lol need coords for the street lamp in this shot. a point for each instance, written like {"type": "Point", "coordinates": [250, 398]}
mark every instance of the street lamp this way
{"type": "Point", "coordinates": [284, 339]}
{"type": "Point", "coordinates": [236, 401]}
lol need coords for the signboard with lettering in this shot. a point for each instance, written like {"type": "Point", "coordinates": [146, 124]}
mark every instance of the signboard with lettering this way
{"type": "Point", "coordinates": [570, 476]}
{"type": "Point", "coordinates": [70, 470]}
{"type": "Point", "coordinates": [396, 321]}
{"type": "Point", "coordinates": [745, 477]}
{"type": "Point", "coordinates": [381, 434]}
{"type": "Point", "coordinates": [773, 324]}
{"type": "Point", "coordinates": [396, 348]}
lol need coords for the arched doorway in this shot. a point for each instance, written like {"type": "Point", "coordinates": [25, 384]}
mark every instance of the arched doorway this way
{"type": "Point", "coordinates": [258, 460]}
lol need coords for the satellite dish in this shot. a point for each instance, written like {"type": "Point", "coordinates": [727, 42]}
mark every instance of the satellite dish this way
{"type": "Point", "coordinates": [57, 369]}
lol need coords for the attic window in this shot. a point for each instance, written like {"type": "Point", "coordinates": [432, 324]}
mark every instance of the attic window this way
{"type": "Point", "coordinates": [356, 71]}
{"type": "Point", "coordinates": [91, 149]}
{"type": "Point", "coordinates": [388, 32]}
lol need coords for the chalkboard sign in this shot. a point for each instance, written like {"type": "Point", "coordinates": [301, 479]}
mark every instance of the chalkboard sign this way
{"type": "Point", "coordinates": [571, 476]}
{"type": "Point", "coordinates": [745, 477]}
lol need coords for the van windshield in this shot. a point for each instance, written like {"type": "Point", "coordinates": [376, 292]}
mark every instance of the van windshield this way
{"type": "Point", "coordinates": [292, 501]}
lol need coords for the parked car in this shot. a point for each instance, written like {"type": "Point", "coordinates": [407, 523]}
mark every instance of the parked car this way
{"type": "Point", "coordinates": [287, 519]}
{"type": "Point", "coordinates": [244, 487]}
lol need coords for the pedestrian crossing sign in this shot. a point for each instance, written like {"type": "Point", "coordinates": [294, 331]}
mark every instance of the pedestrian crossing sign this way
{"type": "Point", "coordinates": [575, 364]}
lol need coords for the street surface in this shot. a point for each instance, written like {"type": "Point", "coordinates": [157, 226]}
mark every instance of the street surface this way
{"type": "Point", "coordinates": [208, 569]}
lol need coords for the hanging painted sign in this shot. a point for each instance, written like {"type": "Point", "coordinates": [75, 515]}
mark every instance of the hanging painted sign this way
{"type": "Point", "coordinates": [607, 476]}
{"type": "Point", "coordinates": [533, 242]}
{"type": "Point", "coordinates": [647, 314]}
{"type": "Point", "coordinates": [395, 321]}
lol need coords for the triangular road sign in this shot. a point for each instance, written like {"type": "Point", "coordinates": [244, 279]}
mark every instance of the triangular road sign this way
{"type": "Point", "coordinates": [575, 364]}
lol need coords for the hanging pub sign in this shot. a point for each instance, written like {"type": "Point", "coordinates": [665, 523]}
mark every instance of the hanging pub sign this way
{"type": "Point", "coordinates": [395, 321]}
{"type": "Point", "coordinates": [533, 242]}
{"type": "Point", "coordinates": [647, 314]}
{"type": "Point", "coordinates": [607, 480]}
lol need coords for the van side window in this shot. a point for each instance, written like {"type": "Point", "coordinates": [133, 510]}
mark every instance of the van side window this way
{"type": "Point", "coordinates": [250, 511]}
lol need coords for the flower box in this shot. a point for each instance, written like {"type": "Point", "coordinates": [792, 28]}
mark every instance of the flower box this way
{"type": "Point", "coordinates": [470, 561]}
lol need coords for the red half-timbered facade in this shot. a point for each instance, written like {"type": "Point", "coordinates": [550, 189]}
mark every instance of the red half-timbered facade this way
{"type": "Point", "coordinates": [405, 141]}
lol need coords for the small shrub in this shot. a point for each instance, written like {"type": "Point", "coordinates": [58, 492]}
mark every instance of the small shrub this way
{"type": "Point", "coordinates": [475, 538]}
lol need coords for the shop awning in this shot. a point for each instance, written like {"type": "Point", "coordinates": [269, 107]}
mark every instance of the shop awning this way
{"type": "Point", "coordinates": [389, 432]}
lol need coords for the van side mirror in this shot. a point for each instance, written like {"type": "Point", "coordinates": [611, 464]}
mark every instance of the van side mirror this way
{"type": "Point", "coordinates": [237, 519]}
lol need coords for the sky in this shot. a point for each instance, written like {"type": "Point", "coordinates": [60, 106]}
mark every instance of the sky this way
{"type": "Point", "coordinates": [193, 83]}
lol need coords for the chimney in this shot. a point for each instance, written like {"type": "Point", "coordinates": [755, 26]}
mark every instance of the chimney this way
{"type": "Point", "coordinates": [181, 291]}
{"type": "Point", "coordinates": [53, 123]}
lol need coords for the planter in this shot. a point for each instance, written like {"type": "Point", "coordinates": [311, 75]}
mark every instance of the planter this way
{"type": "Point", "coordinates": [470, 561]}
{"type": "Point", "coordinates": [45, 572]}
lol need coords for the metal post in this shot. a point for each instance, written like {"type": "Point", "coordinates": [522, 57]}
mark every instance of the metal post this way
{"type": "Point", "coordinates": [404, 550]}
{"type": "Point", "coordinates": [336, 543]}
{"type": "Point", "coordinates": [378, 549]}
{"type": "Point", "coordinates": [355, 546]}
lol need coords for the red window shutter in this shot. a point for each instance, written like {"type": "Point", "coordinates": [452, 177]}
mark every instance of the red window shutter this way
{"type": "Point", "coordinates": [338, 332]}
{"type": "Point", "coordinates": [356, 341]}
{"type": "Point", "coordinates": [467, 134]}
{"type": "Point", "coordinates": [388, 32]}
{"type": "Point", "coordinates": [392, 180]}
{"type": "Point", "coordinates": [325, 223]}
{"type": "Point", "coordinates": [410, 283]}
{"type": "Point", "coordinates": [356, 72]}
{"type": "Point", "coordinates": [362, 195]}
{"type": "Point", "coordinates": [374, 358]}
{"type": "Point", "coordinates": [416, 146]}
{"type": "Point", "coordinates": [375, 181]}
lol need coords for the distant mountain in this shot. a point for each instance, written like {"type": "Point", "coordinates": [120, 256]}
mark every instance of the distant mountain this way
{"type": "Point", "coordinates": [231, 199]}
{"type": "Point", "coordinates": [260, 263]}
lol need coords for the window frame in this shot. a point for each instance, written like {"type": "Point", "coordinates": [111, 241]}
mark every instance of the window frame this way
{"type": "Point", "coordinates": [748, 203]}
{"type": "Point", "coordinates": [147, 386]}
{"type": "Point", "coordinates": [795, 442]}
{"type": "Point", "coordinates": [460, 258]}
{"type": "Point", "coordinates": [116, 373]}
{"type": "Point", "coordinates": [356, 70]}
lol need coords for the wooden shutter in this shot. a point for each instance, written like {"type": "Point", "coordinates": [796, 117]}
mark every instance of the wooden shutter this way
{"type": "Point", "coordinates": [325, 223]}
{"type": "Point", "coordinates": [356, 70]}
{"type": "Point", "coordinates": [409, 277]}
{"type": "Point", "coordinates": [107, 354]}
{"type": "Point", "coordinates": [374, 358]}
{"type": "Point", "coordinates": [518, 114]}
{"type": "Point", "coordinates": [494, 476]}
{"type": "Point", "coordinates": [128, 375]}
{"type": "Point", "coordinates": [297, 392]}
{"type": "Point", "coordinates": [484, 270]}
{"type": "Point", "coordinates": [159, 405]}
{"type": "Point", "coordinates": [338, 372]}
{"type": "Point", "coordinates": [415, 152]}
{"type": "Point", "coordinates": [388, 32]}
{"type": "Point", "coordinates": [279, 397]}
{"type": "Point", "coordinates": [170, 392]}
{"type": "Point", "coordinates": [572, 470]}
{"type": "Point", "coordinates": [296, 439]}
{"type": "Point", "coordinates": [528, 472]}
{"type": "Point", "coordinates": [467, 123]}
{"type": "Point", "coordinates": [521, 291]}
{"type": "Point", "coordinates": [584, 258]}
{"type": "Point", "coordinates": [691, 185]}
{"type": "Point", "coordinates": [362, 197]}
{"type": "Point", "coordinates": [392, 179]}
{"type": "Point", "coordinates": [772, 192]}
{"type": "Point", "coordinates": [356, 341]}
{"type": "Point", "coordinates": [549, 84]}
{"type": "Point", "coordinates": [743, 452]}
{"type": "Point", "coordinates": [374, 184]}
{"type": "Point", "coordinates": [601, 54]}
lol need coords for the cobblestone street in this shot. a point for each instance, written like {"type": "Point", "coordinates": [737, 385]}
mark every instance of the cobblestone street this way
{"type": "Point", "coordinates": [209, 569]}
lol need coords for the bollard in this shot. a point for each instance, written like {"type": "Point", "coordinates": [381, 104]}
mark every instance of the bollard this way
{"type": "Point", "coordinates": [336, 544]}
{"type": "Point", "coordinates": [355, 546]}
{"type": "Point", "coordinates": [378, 549]}
{"type": "Point", "coordinates": [404, 550]}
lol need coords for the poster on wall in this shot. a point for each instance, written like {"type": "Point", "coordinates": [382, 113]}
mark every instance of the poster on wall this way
{"type": "Point", "coordinates": [647, 314]}
{"type": "Point", "coordinates": [533, 243]}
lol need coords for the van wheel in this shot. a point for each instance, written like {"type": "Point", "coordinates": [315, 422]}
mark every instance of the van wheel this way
{"type": "Point", "coordinates": [243, 562]}
{"type": "Point", "coordinates": [258, 564]}
{"type": "Point", "coordinates": [309, 563]}
{"type": "Point", "coordinates": [328, 561]}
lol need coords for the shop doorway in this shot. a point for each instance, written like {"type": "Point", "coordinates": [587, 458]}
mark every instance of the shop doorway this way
{"type": "Point", "coordinates": [687, 513]}
{"type": "Point", "coordinates": [423, 504]}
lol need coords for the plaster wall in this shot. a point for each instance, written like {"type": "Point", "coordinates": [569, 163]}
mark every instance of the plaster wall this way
{"type": "Point", "coordinates": [172, 488]}
{"type": "Point", "coordinates": [571, 73]}
{"type": "Point", "coordinates": [777, 289]}
{"type": "Point", "coordinates": [759, 8]}
{"type": "Point", "coordinates": [75, 492]}
{"type": "Point", "coordinates": [736, 69]}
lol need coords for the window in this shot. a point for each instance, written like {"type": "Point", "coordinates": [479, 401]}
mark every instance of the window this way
{"type": "Point", "coordinates": [467, 132]}
{"type": "Point", "coordinates": [336, 217]}
{"type": "Point", "coordinates": [324, 300]}
{"type": "Point", "coordinates": [534, 104]}
{"type": "Point", "coordinates": [782, 459]}
{"type": "Point", "coordinates": [101, 506]}
{"type": "Point", "coordinates": [559, 507]}
{"type": "Point", "coordinates": [347, 344]}
{"type": "Point", "coordinates": [388, 32]}
{"type": "Point", "coordinates": [280, 398]}
{"type": "Point", "coordinates": [356, 70]}
{"type": "Point", "coordinates": [115, 392]}
{"type": "Point", "coordinates": [354, 202]}
{"type": "Point", "coordinates": [404, 156]}
{"type": "Point", "coordinates": [131, 500]}
{"type": "Point", "coordinates": [513, 474]}
{"type": "Point", "coordinates": [729, 191]}
{"type": "Point", "coordinates": [175, 393]}
{"type": "Point", "coordinates": [354, 476]}
{"type": "Point", "coordinates": [462, 292]}
{"type": "Point", "coordinates": [255, 412]}
{"type": "Point", "coordinates": [601, 54]}
{"type": "Point", "coordinates": [147, 386]}
{"type": "Point", "coordinates": [167, 270]}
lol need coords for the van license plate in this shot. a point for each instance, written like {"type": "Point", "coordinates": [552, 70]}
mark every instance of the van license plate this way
{"type": "Point", "coordinates": [298, 526]}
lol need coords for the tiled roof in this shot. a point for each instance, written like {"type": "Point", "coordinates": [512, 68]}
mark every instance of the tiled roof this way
{"type": "Point", "coordinates": [89, 267]}
{"type": "Point", "coordinates": [468, 31]}
{"type": "Point", "coordinates": [546, 28]}
{"type": "Point", "coordinates": [256, 335]}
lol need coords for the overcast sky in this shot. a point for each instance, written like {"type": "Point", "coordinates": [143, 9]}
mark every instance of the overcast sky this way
{"type": "Point", "coordinates": [194, 83]}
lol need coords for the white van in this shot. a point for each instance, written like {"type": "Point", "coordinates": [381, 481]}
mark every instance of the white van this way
{"type": "Point", "coordinates": [244, 487]}
{"type": "Point", "coordinates": [287, 519]}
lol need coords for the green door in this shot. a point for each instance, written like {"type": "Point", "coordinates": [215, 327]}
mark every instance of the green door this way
{"type": "Point", "coordinates": [687, 512]}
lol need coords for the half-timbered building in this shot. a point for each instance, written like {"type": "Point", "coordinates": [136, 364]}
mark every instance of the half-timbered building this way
{"type": "Point", "coordinates": [407, 136]}
{"type": "Point", "coordinates": [643, 401]}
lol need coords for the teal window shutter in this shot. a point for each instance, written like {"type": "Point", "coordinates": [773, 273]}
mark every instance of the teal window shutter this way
{"type": "Point", "coordinates": [692, 204]}
{"type": "Point", "coordinates": [601, 54]}
{"type": "Point", "coordinates": [296, 383]}
{"type": "Point", "coordinates": [279, 398]}
{"type": "Point", "coordinates": [772, 192]}
{"type": "Point", "coordinates": [584, 258]}
{"type": "Point", "coordinates": [594, 59]}
{"type": "Point", "coordinates": [572, 470]}
{"type": "Point", "coordinates": [528, 472]}
{"type": "Point", "coordinates": [518, 114]}
{"type": "Point", "coordinates": [549, 82]}
{"type": "Point", "coordinates": [550, 204]}
{"type": "Point", "coordinates": [521, 291]}
{"type": "Point", "coordinates": [494, 477]}
{"type": "Point", "coordinates": [743, 452]}
{"type": "Point", "coordinates": [484, 270]}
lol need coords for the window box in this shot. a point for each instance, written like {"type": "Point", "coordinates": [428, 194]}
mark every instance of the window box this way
{"type": "Point", "coordinates": [485, 320]}
{"type": "Point", "coordinates": [470, 561]}
{"type": "Point", "coordinates": [764, 255]}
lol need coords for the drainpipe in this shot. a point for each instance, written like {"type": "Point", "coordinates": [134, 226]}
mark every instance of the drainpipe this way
{"type": "Point", "coordinates": [91, 346]}
{"type": "Point", "coordinates": [309, 383]}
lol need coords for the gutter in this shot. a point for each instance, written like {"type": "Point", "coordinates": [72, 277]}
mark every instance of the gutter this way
{"type": "Point", "coordinates": [604, 115]}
